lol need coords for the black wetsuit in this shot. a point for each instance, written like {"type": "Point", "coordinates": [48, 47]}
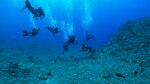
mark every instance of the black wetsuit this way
{"type": "Point", "coordinates": [53, 30]}
{"type": "Point", "coordinates": [28, 5]}
{"type": "Point", "coordinates": [33, 33]}
{"type": "Point", "coordinates": [36, 12]}
{"type": "Point", "coordinates": [71, 40]}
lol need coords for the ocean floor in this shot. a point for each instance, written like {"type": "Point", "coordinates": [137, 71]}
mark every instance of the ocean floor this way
{"type": "Point", "coordinates": [125, 59]}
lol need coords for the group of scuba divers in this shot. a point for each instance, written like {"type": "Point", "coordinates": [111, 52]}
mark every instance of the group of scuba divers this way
{"type": "Point", "coordinates": [39, 13]}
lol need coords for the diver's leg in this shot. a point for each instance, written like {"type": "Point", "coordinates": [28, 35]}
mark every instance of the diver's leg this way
{"type": "Point", "coordinates": [28, 5]}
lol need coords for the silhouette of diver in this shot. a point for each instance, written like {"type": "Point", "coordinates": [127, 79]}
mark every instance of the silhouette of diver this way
{"type": "Point", "coordinates": [34, 32]}
{"type": "Point", "coordinates": [66, 47]}
{"type": "Point", "coordinates": [86, 48]}
{"type": "Point", "coordinates": [71, 40]}
{"type": "Point", "coordinates": [36, 12]}
{"type": "Point", "coordinates": [53, 30]}
{"type": "Point", "coordinates": [88, 36]}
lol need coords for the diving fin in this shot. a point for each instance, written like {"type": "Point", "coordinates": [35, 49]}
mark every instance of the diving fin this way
{"type": "Point", "coordinates": [23, 8]}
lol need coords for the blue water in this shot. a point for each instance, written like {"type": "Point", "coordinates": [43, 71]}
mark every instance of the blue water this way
{"type": "Point", "coordinates": [41, 60]}
{"type": "Point", "coordinates": [101, 18]}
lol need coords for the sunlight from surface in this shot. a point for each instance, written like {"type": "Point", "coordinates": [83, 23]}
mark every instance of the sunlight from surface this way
{"type": "Point", "coordinates": [87, 16]}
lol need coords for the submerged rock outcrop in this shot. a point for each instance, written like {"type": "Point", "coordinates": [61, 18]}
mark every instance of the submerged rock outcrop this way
{"type": "Point", "coordinates": [131, 45]}
{"type": "Point", "coordinates": [132, 37]}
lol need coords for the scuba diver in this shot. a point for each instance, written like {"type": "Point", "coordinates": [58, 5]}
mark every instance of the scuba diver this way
{"type": "Point", "coordinates": [53, 30]}
{"type": "Point", "coordinates": [36, 12]}
{"type": "Point", "coordinates": [86, 48]}
{"type": "Point", "coordinates": [34, 32]}
{"type": "Point", "coordinates": [88, 36]}
{"type": "Point", "coordinates": [65, 48]}
{"type": "Point", "coordinates": [39, 13]}
{"type": "Point", "coordinates": [71, 40]}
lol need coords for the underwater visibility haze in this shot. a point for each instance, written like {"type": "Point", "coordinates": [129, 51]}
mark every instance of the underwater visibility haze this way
{"type": "Point", "coordinates": [75, 42]}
